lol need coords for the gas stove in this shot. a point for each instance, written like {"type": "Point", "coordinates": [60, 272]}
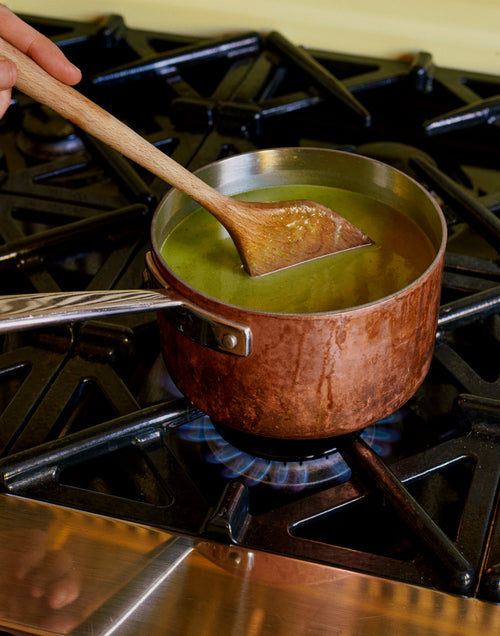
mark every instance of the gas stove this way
{"type": "Point", "coordinates": [89, 418]}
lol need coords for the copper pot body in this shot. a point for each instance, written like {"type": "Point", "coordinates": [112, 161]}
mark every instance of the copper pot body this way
{"type": "Point", "coordinates": [310, 376]}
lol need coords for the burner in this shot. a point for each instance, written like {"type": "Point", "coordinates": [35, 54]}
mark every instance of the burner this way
{"type": "Point", "coordinates": [45, 135]}
{"type": "Point", "coordinates": [278, 449]}
{"type": "Point", "coordinates": [317, 462]}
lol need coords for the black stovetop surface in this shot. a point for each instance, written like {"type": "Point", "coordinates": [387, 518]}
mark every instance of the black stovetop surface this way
{"type": "Point", "coordinates": [75, 215]}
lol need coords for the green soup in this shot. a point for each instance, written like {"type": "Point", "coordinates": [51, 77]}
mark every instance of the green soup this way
{"type": "Point", "coordinates": [202, 254]}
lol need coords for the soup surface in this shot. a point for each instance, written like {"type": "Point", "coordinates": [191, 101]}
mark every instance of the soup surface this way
{"type": "Point", "coordinates": [201, 253]}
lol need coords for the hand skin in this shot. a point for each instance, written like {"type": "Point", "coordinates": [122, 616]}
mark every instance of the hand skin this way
{"type": "Point", "coordinates": [38, 47]}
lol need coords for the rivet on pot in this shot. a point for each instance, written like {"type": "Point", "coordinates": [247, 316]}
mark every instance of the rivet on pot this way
{"type": "Point", "coordinates": [229, 341]}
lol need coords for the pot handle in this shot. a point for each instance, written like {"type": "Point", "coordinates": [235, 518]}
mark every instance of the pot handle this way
{"type": "Point", "coordinates": [28, 311]}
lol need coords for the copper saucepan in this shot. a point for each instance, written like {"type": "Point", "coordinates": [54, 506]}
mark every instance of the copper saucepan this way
{"type": "Point", "coordinates": [294, 376]}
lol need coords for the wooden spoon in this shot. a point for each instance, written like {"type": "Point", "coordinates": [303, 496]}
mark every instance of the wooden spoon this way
{"type": "Point", "coordinates": [268, 236]}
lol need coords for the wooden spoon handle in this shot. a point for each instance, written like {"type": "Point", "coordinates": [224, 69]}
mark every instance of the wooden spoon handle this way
{"type": "Point", "coordinates": [35, 82]}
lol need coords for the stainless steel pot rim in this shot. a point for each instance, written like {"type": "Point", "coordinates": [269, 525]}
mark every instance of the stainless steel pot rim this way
{"type": "Point", "coordinates": [357, 309]}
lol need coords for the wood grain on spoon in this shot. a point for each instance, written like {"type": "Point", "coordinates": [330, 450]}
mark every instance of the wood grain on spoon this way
{"type": "Point", "coordinates": [268, 236]}
{"type": "Point", "coordinates": [293, 232]}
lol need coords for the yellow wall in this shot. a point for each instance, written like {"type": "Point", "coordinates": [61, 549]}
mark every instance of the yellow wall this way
{"type": "Point", "coordinates": [459, 33]}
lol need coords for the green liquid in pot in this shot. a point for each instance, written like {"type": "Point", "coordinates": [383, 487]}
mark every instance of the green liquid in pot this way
{"type": "Point", "coordinates": [201, 253]}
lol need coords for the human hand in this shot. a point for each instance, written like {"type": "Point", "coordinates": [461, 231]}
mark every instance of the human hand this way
{"type": "Point", "coordinates": [35, 45]}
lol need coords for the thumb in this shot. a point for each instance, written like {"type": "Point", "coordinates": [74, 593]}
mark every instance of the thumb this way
{"type": "Point", "coordinates": [8, 73]}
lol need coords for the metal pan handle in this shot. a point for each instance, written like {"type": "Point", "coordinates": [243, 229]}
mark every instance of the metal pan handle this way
{"type": "Point", "coordinates": [29, 311]}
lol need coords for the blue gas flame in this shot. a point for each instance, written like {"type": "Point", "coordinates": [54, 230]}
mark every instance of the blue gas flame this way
{"type": "Point", "coordinates": [295, 475]}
